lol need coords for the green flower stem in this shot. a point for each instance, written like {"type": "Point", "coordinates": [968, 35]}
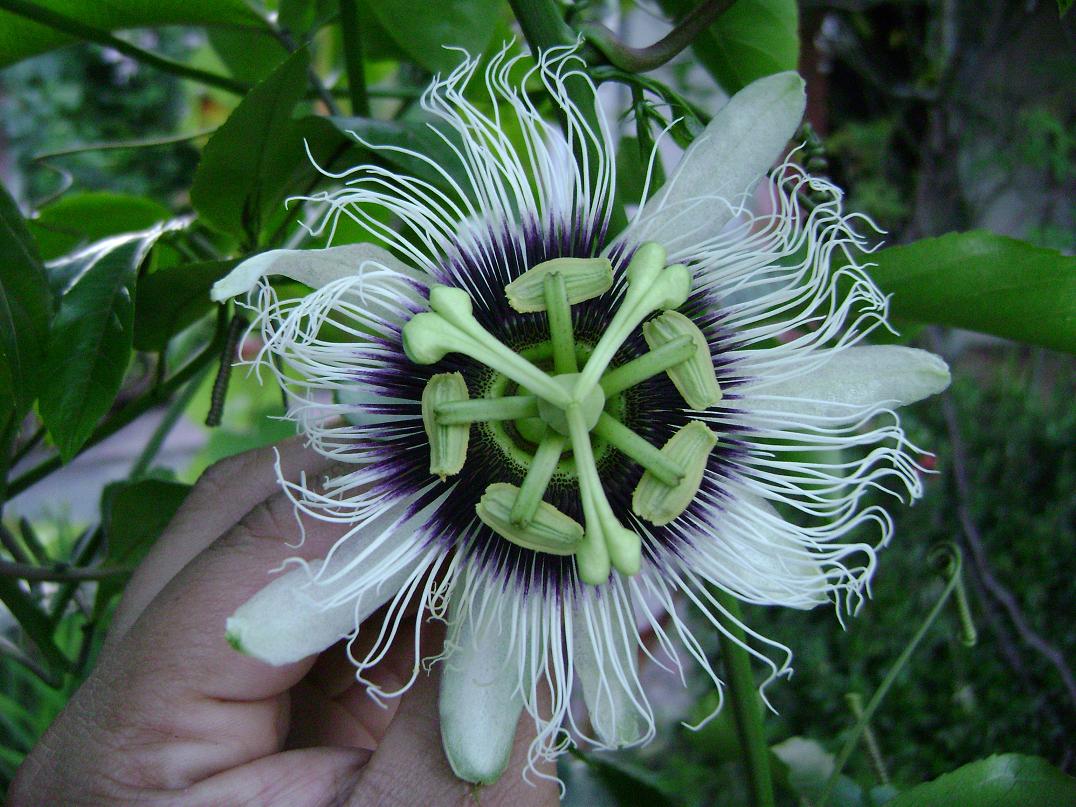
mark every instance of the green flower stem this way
{"type": "Point", "coordinates": [356, 75]}
{"type": "Point", "coordinates": [953, 572]}
{"type": "Point", "coordinates": [480, 410]}
{"type": "Point", "coordinates": [537, 479]}
{"type": "Point", "coordinates": [636, 447]}
{"type": "Point", "coordinates": [648, 365]}
{"type": "Point", "coordinates": [559, 313]}
{"type": "Point", "coordinates": [80, 30]}
{"type": "Point", "coordinates": [746, 703]}
{"type": "Point", "coordinates": [641, 60]}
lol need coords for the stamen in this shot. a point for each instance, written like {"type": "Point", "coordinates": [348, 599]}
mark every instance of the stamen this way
{"type": "Point", "coordinates": [639, 449]}
{"type": "Point", "coordinates": [584, 279]}
{"type": "Point", "coordinates": [480, 410]}
{"type": "Point", "coordinates": [647, 366]}
{"type": "Point", "coordinates": [537, 479]}
{"type": "Point", "coordinates": [694, 378]}
{"type": "Point", "coordinates": [689, 448]}
{"type": "Point", "coordinates": [549, 530]}
{"type": "Point", "coordinates": [448, 443]}
{"type": "Point", "coordinates": [651, 286]}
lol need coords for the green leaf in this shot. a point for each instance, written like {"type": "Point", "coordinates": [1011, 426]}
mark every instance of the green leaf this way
{"type": "Point", "coordinates": [1063, 7]}
{"type": "Point", "coordinates": [248, 161]}
{"type": "Point", "coordinates": [628, 782]}
{"type": "Point", "coordinates": [82, 218]}
{"type": "Point", "coordinates": [997, 781]}
{"type": "Point", "coordinates": [422, 30]}
{"type": "Point", "coordinates": [754, 38]}
{"type": "Point", "coordinates": [133, 516]}
{"type": "Point", "coordinates": [25, 311]}
{"type": "Point", "coordinates": [983, 282]}
{"type": "Point", "coordinates": [171, 299]}
{"type": "Point", "coordinates": [20, 38]}
{"type": "Point", "coordinates": [416, 136]}
{"type": "Point", "coordinates": [249, 55]}
{"type": "Point", "coordinates": [90, 343]}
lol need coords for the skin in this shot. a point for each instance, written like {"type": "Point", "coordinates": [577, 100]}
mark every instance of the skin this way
{"type": "Point", "coordinates": [172, 715]}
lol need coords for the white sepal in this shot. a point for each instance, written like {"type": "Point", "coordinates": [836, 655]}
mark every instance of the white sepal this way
{"type": "Point", "coordinates": [313, 267]}
{"type": "Point", "coordinates": [767, 565]}
{"type": "Point", "coordinates": [605, 655]}
{"type": "Point", "coordinates": [294, 616]}
{"type": "Point", "coordinates": [859, 377]}
{"type": "Point", "coordinates": [744, 139]}
{"type": "Point", "coordinates": [481, 699]}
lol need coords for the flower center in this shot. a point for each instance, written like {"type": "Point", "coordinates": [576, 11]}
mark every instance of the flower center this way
{"type": "Point", "coordinates": [572, 407]}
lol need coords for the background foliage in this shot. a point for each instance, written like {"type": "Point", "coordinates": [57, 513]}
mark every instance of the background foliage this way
{"type": "Point", "coordinates": [146, 147]}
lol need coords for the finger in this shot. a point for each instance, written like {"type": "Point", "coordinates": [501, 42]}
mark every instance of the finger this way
{"type": "Point", "coordinates": [172, 703]}
{"type": "Point", "coordinates": [225, 493]}
{"type": "Point", "coordinates": [332, 708]}
{"type": "Point", "coordinates": [411, 752]}
{"type": "Point", "coordinates": [306, 778]}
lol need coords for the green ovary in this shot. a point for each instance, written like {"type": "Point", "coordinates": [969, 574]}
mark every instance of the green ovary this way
{"type": "Point", "coordinates": [557, 408]}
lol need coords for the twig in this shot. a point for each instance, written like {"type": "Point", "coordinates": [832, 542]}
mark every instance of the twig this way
{"type": "Point", "coordinates": [641, 60]}
{"type": "Point", "coordinates": [30, 572]}
{"type": "Point", "coordinates": [870, 739]}
{"type": "Point", "coordinates": [147, 142]}
{"type": "Point", "coordinates": [80, 30]}
{"type": "Point", "coordinates": [974, 543]}
{"type": "Point", "coordinates": [28, 446]}
{"type": "Point", "coordinates": [953, 571]}
{"type": "Point", "coordinates": [13, 651]}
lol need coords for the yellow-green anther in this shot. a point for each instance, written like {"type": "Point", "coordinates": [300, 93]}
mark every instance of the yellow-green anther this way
{"type": "Point", "coordinates": [606, 538]}
{"type": "Point", "coordinates": [549, 530]}
{"type": "Point", "coordinates": [636, 447]}
{"type": "Point", "coordinates": [537, 479]}
{"type": "Point", "coordinates": [648, 365]}
{"type": "Point", "coordinates": [559, 313]}
{"type": "Point", "coordinates": [448, 443]}
{"type": "Point", "coordinates": [694, 378]}
{"type": "Point", "coordinates": [584, 279]}
{"type": "Point", "coordinates": [480, 410]}
{"type": "Point", "coordinates": [652, 286]}
{"type": "Point", "coordinates": [690, 449]}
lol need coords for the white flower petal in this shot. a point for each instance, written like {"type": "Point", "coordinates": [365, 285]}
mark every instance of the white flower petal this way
{"type": "Point", "coordinates": [766, 565]}
{"type": "Point", "coordinates": [606, 661]}
{"type": "Point", "coordinates": [480, 701]}
{"type": "Point", "coordinates": [284, 622]}
{"type": "Point", "coordinates": [859, 377]}
{"type": "Point", "coordinates": [306, 610]}
{"type": "Point", "coordinates": [742, 141]}
{"type": "Point", "coordinates": [314, 267]}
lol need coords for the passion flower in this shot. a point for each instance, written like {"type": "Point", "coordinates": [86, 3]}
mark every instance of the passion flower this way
{"type": "Point", "coordinates": [559, 436]}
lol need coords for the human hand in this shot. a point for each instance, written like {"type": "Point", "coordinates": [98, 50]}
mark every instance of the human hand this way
{"type": "Point", "coordinates": [172, 715]}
